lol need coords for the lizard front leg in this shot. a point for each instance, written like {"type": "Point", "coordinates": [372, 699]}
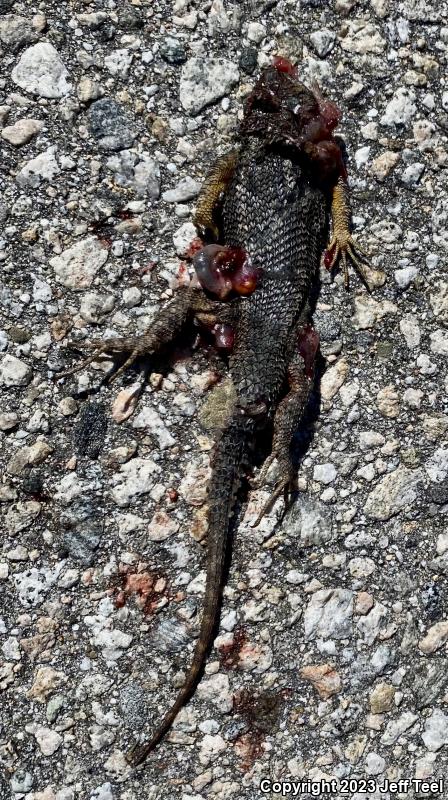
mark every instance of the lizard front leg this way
{"type": "Point", "coordinates": [167, 323]}
{"type": "Point", "coordinates": [211, 195]}
{"type": "Point", "coordinates": [342, 244]}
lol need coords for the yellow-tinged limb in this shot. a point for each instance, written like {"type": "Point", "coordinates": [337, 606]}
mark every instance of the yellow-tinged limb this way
{"type": "Point", "coordinates": [342, 245]}
{"type": "Point", "coordinates": [212, 193]}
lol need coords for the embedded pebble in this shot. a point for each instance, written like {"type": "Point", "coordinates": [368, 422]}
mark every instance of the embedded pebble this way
{"type": "Point", "coordinates": [309, 520]}
{"type": "Point", "coordinates": [22, 131]}
{"type": "Point", "coordinates": [435, 734]}
{"type": "Point", "coordinates": [333, 379]}
{"type": "Point", "coordinates": [388, 402]}
{"type": "Point", "coordinates": [435, 638]}
{"type": "Point", "coordinates": [43, 167]}
{"type": "Point", "coordinates": [49, 741]}
{"type": "Point", "coordinates": [14, 372]}
{"type": "Point", "coordinates": [205, 80]}
{"type": "Point", "coordinates": [41, 72]}
{"type": "Point", "coordinates": [395, 491]}
{"type": "Point", "coordinates": [134, 478]}
{"type": "Point", "coordinates": [110, 125]}
{"type": "Point", "coordinates": [186, 189]}
{"type": "Point", "coordinates": [329, 614]}
{"type": "Point", "coordinates": [397, 727]}
{"type": "Point", "coordinates": [136, 171]}
{"type": "Point", "coordinates": [77, 266]}
{"type": "Point", "coordinates": [382, 698]}
{"type": "Point", "coordinates": [401, 109]}
{"type": "Point", "coordinates": [324, 678]}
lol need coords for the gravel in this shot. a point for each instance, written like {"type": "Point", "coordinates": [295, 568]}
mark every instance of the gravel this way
{"type": "Point", "coordinates": [331, 657]}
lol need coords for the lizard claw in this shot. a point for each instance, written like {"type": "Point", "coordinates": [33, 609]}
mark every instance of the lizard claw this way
{"type": "Point", "coordinates": [287, 486]}
{"type": "Point", "coordinates": [345, 248]}
{"type": "Point", "coordinates": [102, 347]}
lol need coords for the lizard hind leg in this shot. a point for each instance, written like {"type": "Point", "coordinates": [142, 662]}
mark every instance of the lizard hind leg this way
{"type": "Point", "coordinates": [288, 415]}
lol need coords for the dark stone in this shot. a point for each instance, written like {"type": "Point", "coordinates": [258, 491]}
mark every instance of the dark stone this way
{"type": "Point", "coordinates": [33, 483]}
{"type": "Point", "coordinates": [90, 430]}
{"type": "Point", "coordinates": [364, 340]}
{"type": "Point", "coordinates": [430, 680]}
{"type": "Point", "coordinates": [82, 526]}
{"type": "Point", "coordinates": [106, 33]}
{"type": "Point", "coordinates": [109, 125]}
{"type": "Point", "coordinates": [438, 492]}
{"type": "Point", "coordinates": [433, 601]}
{"type": "Point", "coordinates": [6, 5]}
{"type": "Point", "coordinates": [19, 335]}
{"type": "Point", "coordinates": [173, 51]}
{"type": "Point", "coordinates": [327, 325]}
{"type": "Point", "coordinates": [133, 705]}
{"type": "Point", "coordinates": [130, 19]}
{"type": "Point", "coordinates": [248, 60]}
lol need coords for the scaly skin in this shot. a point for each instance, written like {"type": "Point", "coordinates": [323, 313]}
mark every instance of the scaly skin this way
{"type": "Point", "coordinates": [275, 197]}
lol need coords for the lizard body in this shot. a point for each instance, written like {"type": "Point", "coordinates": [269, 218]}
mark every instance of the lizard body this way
{"type": "Point", "coordinates": [274, 197]}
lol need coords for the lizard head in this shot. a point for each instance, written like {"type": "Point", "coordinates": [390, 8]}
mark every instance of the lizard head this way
{"type": "Point", "coordinates": [282, 111]}
{"type": "Point", "coordinates": [278, 106]}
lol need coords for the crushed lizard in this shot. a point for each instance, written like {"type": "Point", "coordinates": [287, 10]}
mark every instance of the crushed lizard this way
{"type": "Point", "coordinates": [263, 216]}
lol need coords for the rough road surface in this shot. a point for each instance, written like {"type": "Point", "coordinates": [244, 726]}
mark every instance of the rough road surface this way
{"type": "Point", "coordinates": [331, 660]}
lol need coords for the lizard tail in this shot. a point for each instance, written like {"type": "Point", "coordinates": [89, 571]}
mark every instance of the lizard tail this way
{"type": "Point", "coordinates": [226, 470]}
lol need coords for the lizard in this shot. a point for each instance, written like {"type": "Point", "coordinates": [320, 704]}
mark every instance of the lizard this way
{"type": "Point", "coordinates": [263, 217]}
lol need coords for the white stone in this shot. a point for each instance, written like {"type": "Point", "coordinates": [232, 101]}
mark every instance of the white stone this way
{"type": "Point", "coordinates": [136, 477]}
{"type": "Point", "coordinates": [77, 266]}
{"type": "Point", "coordinates": [324, 473]}
{"type": "Point", "coordinates": [397, 727]}
{"type": "Point", "coordinates": [49, 741]}
{"type": "Point", "coordinates": [410, 329]}
{"type": "Point", "coordinates": [148, 419]}
{"type": "Point", "coordinates": [435, 734]}
{"type": "Point", "coordinates": [439, 342]}
{"type": "Point", "coordinates": [43, 167]}
{"type": "Point", "coordinates": [22, 131]}
{"type": "Point", "coordinates": [14, 372]}
{"type": "Point", "coordinates": [401, 109]}
{"type": "Point", "coordinates": [329, 614]}
{"type": "Point", "coordinates": [40, 71]}
{"type": "Point", "coordinates": [256, 32]}
{"type": "Point", "coordinates": [392, 493]}
{"type": "Point", "coordinates": [437, 465]}
{"type": "Point", "coordinates": [183, 238]}
{"type": "Point", "coordinates": [118, 62]}
{"type": "Point", "coordinates": [205, 80]}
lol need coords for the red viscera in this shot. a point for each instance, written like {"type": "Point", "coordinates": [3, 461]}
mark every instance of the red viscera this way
{"type": "Point", "coordinates": [225, 270]}
{"type": "Point", "coordinates": [327, 155]}
{"type": "Point", "coordinates": [330, 113]}
{"type": "Point", "coordinates": [308, 343]}
{"type": "Point", "coordinates": [282, 64]}
{"type": "Point", "coordinates": [210, 274]}
{"type": "Point", "coordinates": [328, 256]}
{"type": "Point", "coordinates": [224, 337]}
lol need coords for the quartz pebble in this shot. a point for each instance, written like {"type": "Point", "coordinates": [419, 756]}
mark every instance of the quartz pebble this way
{"type": "Point", "coordinates": [22, 131]}
{"type": "Point", "coordinates": [41, 72]}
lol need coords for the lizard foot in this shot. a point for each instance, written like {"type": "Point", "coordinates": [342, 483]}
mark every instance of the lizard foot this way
{"type": "Point", "coordinates": [114, 345]}
{"type": "Point", "coordinates": [287, 486]}
{"type": "Point", "coordinates": [345, 247]}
